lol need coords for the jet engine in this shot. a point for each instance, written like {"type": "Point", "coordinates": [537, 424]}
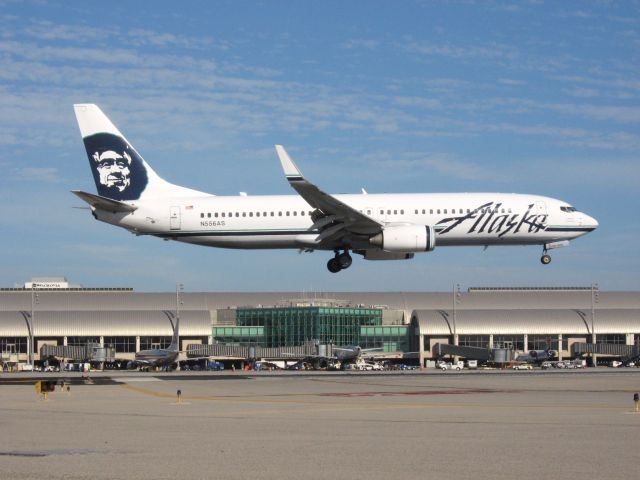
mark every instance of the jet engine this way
{"type": "Point", "coordinates": [542, 354]}
{"type": "Point", "coordinates": [405, 238]}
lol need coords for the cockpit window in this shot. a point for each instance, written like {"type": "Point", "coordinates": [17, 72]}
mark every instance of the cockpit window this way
{"type": "Point", "coordinates": [568, 209]}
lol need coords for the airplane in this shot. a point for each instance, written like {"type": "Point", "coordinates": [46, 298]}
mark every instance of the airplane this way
{"type": "Point", "coordinates": [133, 196]}
{"type": "Point", "coordinates": [159, 357]}
{"type": "Point", "coordinates": [537, 356]}
{"type": "Point", "coordinates": [340, 358]}
{"type": "Point", "coordinates": [351, 353]}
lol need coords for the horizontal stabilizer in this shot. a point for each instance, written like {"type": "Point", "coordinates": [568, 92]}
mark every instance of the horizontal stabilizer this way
{"type": "Point", "coordinates": [103, 203]}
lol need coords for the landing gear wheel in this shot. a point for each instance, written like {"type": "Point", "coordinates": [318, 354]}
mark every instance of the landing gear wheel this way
{"type": "Point", "coordinates": [344, 260]}
{"type": "Point", "coordinates": [545, 259]}
{"type": "Point", "coordinates": [333, 265]}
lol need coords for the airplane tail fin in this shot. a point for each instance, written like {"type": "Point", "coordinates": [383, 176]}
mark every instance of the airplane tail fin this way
{"type": "Point", "coordinates": [175, 340]}
{"type": "Point", "coordinates": [120, 173]}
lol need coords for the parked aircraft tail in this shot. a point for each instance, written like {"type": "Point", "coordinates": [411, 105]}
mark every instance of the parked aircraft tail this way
{"type": "Point", "coordinates": [175, 340]}
{"type": "Point", "coordinates": [120, 173]}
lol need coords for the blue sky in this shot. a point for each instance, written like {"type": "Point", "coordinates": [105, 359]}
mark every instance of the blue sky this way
{"type": "Point", "coordinates": [530, 97]}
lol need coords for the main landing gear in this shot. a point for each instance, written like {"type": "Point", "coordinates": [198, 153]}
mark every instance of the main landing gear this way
{"type": "Point", "coordinates": [340, 261]}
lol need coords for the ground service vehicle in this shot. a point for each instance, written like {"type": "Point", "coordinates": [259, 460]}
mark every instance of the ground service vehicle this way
{"type": "Point", "coordinates": [451, 366]}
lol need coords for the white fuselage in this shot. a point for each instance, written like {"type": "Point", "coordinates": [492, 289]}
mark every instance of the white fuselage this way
{"type": "Point", "coordinates": [284, 221]}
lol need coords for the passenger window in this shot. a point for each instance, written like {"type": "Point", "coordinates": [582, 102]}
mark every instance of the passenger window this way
{"type": "Point", "coordinates": [388, 212]}
{"type": "Point", "coordinates": [438, 211]}
{"type": "Point", "coordinates": [251, 214]}
{"type": "Point", "coordinates": [257, 214]}
{"type": "Point", "coordinates": [272, 214]}
{"type": "Point", "coordinates": [287, 213]}
{"type": "Point", "coordinates": [244, 214]}
{"type": "Point", "coordinates": [424, 211]}
{"type": "Point", "coordinates": [445, 211]}
{"type": "Point", "coordinates": [202, 215]}
{"type": "Point", "coordinates": [237, 214]}
{"type": "Point", "coordinates": [295, 214]}
{"type": "Point", "coordinates": [215, 214]}
{"type": "Point", "coordinates": [431, 211]}
{"type": "Point", "coordinates": [302, 213]}
{"type": "Point", "coordinates": [416, 211]}
{"type": "Point", "coordinates": [208, 215]}
{"type": "Point", "coordinates": [279, 214]}
{"type": "Point", "coordinates": [222, 214]}
{"type": "Point", "coordinates": [395, 212]}
{"type": "Point", "coordinates": [401, 212]}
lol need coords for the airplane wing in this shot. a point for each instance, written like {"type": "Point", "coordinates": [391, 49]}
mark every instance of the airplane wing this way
{"type": "Point", "coordinates": [103, 203]}
{"type": "Point", "coordinates": [333, 218]}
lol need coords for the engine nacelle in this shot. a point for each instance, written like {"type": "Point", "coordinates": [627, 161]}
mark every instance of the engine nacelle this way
{"type": "Point", "coordinates": [406, 238]}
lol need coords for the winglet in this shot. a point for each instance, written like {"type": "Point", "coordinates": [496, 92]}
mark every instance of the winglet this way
{"type": "Point", "coordinates": [291, 171]}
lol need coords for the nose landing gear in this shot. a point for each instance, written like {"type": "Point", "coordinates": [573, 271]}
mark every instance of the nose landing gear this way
{"type": "Point", "coordinates": [545, 258]}
{"type": "Point", "coordinates": [340, 261]}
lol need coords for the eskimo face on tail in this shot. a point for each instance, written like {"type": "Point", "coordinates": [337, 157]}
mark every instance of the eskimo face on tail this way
{"type": "Point", "coordinates": [113, 169]}
{"type": "Point", "coordinates": [117, 169]}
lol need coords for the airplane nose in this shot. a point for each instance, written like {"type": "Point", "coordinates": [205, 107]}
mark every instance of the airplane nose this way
{"type": "Point", "coordinates": [590, 221]}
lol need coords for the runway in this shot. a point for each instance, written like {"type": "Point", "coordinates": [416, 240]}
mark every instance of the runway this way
{"type": "Point", "coordinates": [374, 426]}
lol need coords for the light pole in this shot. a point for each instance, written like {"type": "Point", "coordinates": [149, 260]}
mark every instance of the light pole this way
{"type": "Point", "coordinates": [179, 290]}
{"type": "Point", "coordinates": [456, 300]}
{"type": "Point", "coordinates": [34, 302]}
{"type": "Point", "coordinates": [594, 299]}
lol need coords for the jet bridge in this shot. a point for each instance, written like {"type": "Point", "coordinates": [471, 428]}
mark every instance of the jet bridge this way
{"type": "Point", "coordinates": [256, 351]}
{"type": "Point", "coordinates": [473, 353]}
{"type": "Point", "coordinates": [91, 352]}
{"type": "Point", "coordinates": [627, 353]}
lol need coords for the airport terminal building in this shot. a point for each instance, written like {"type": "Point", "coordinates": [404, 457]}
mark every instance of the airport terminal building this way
{"type": "Point", "coordinates": [403, 325]}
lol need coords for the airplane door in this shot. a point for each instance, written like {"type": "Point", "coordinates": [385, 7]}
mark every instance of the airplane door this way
{"type": "Point", "coordinates": [174, 218]}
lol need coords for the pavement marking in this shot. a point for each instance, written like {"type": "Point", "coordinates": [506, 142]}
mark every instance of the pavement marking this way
{"type": "Point", "coordinates": [409, 393]}
{"type": "Point", "coordinates": [135, 379]}
{"type": "Point", "coordinates": [318, 405]}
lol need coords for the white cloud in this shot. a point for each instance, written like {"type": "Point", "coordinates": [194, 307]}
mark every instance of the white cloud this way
{"type": "Point", "coordinates": [38, 174]}
{"type": "Point", "coordinates": [619, 114]}
{"type": "Point", "coordinates": [360, 43]}
{"type": "Point", "coordinates": [581, 92]}
{"type": "Point", "coordinates": [54, 32]}
{"type": "Point", "coordinates": [490, 51]}
{"type": "Point", "coordinates": [441, 164]}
